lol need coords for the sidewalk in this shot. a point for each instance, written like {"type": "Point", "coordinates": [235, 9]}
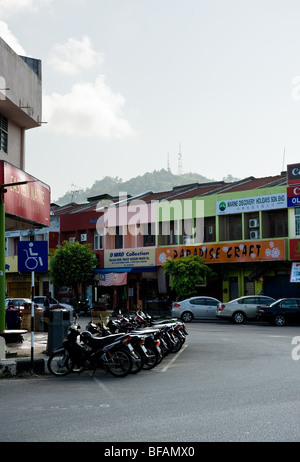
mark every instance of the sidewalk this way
{"type": "Point", "coordinates": [18, 354]}
{"type": "Point", "coordinates": [16, 358]}
{"type": "Point", "coordinates": [24, 349]}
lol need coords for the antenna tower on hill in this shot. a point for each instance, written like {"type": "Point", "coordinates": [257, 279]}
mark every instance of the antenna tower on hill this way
{"type": "Point", "coordinates": [179, 161]}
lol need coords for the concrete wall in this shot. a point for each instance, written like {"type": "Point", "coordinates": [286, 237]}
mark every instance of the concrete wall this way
{"type": "Point", "coordinates": [24, 83]}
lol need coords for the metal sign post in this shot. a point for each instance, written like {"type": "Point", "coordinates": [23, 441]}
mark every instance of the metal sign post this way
{"type": "Point", "coordinates": [32, 256]}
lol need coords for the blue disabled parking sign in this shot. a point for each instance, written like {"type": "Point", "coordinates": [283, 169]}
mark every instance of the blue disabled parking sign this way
{"type": "Point", "coordinates": [32, 256]}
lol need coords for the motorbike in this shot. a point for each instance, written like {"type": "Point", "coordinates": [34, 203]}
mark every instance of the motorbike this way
{"type": "Point", "coordinates": [179, 329]}
{"type": "Point", "coordinates": [108, 353]}
{"type": "Point", "coordinates": [145, 344]}
{"type": "Point", "coordinates": [172, 335]}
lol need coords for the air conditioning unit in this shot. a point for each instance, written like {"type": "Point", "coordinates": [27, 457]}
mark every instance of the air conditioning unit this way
{"type": "Point", "coordinates": [83, 237]}
{"type": "Point", "coordinates": [72, 239]}
{"type": "Point", "coordinates": [253, 223]}
{"type": "Point", "coordinates": [254, 234]}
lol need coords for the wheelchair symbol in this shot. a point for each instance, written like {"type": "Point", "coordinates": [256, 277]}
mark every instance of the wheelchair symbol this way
{"type": "Point", "coordinates": [33, 260]}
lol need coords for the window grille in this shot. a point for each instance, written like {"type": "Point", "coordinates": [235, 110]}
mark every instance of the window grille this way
{"type": "Point", "coordinates": [3, 133]}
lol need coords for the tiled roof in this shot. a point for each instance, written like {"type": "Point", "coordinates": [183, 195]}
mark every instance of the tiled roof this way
{"type": "Point", "coordinates": [183, 192]}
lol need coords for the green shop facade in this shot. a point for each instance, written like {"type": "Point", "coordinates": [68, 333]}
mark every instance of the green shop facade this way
{"type": "Point", "coordinates": [247, 237]}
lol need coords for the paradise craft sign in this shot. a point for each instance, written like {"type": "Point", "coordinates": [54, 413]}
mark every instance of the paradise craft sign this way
{"type": "Point", "coordinates": [271, 250]}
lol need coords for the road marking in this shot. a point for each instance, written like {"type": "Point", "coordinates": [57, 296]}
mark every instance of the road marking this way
{"type": "Point", "coordinates": [164, 369]}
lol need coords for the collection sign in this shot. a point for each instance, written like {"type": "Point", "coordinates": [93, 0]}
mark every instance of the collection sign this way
{"type": "Point", "coordinates": [251, 204]}
{"type": "Point", "coordinates": [130, 258]}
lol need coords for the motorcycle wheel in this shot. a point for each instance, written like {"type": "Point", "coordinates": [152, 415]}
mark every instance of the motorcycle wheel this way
{"type": "Point", "coordinates": [137, 361]}
{"type": "Point", "coordinates": [59, 364]}
{"type": "Point", "coordinates": [160, 355]}
{"type": "Point", "coordinates": [178, 344]}
{"type": "Point", "coordinates": [152, 358]}
{"type": "Point", "coordinates": [120, 363]}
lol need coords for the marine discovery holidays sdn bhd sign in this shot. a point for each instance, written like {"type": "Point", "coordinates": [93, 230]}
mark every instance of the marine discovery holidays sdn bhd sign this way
{"type": "Point", "coordinates": [251, 204]}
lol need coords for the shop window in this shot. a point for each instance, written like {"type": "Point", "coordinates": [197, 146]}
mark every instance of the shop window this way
{"type": "Point", "coordinates": [168, 233]}
{"type": "Point", "coordinates": [230, 227]}
{"type": "Point", "coordinates": [149, 235]}
{"type": "Point", "coordinates": [209, 229]}
{"type": "Point", "coordinates": [98, 241]}
{"type": "Point", "coordinates": [277, 224]}
{"type": "Point", "coordinates": [119, 238]}
{"type": "Point", "coordinates": [235, 227]}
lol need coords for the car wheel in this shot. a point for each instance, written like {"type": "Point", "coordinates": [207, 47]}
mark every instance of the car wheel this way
{"type": "Point", "coordinates": [238, 317]}
{"type": "Point", "coordinates": [187, 316]}
{"type": "Point", "coordinates": [279, 320]}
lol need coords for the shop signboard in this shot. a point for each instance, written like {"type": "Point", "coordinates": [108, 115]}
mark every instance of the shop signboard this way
{"type": "Point", "coordinates": [294, 249]}
{"type": "Point", "coordinates": [293, 174]}
{"type": "Point", "coordinates": [130, 258]}
{"type": "Point", "coordinates": [251, 204]}
{"type": "Point", "coordinates": [268, 250]}
{"type": "Point", "coordinates": [293, 196]}
{"type": "Point", "coordinates": [295, 272]}
{"type": "Point", "coordinates": [30, 201]}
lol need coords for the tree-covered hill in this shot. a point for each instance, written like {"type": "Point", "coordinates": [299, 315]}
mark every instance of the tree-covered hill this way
{"type": "Point", "coordinates": [158, 180]}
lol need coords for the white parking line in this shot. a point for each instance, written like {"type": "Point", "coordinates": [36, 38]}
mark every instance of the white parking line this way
{"type": "Point", "coordinates": [174, 358]}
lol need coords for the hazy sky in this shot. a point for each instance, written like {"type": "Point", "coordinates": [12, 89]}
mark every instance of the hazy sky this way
{"type": "Point", "coordinates": [126, 82]}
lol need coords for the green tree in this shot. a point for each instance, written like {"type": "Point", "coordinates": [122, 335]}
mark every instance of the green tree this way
{"type": "Point", "coordinates": [185, 274]}
{"type": "Point", "coordinates": [72, 264]}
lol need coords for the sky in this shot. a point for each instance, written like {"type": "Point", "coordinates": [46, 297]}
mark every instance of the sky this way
{"type": "Point", "coordinates": [128, 85]}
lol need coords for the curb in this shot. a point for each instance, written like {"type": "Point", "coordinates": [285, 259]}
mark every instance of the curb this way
{"type": "Point", "coordinates": [19, 367]}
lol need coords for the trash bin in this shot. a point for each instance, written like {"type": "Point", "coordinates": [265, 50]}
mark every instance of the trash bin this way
{"type": "Point", "coordinates": [12, 318]}
{"type": "Point", "coordinates": [59, 322]}
{"type": "Point", "coordinates": [39, 321]}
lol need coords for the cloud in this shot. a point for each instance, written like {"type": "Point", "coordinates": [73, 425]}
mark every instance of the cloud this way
{"type": "Point", "coordinates": [74, 55]}
{"type": "Point", "coordinates": [7, 35]}
{"type": "Point", "coordinates": [13, 7]}
{"type": "Point", "coordinates": [90, 109]}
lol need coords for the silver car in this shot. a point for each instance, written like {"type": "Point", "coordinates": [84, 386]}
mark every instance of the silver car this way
{"type": "Point", "coordinates": [40, 300]}
{"type": "Point", "coordinates": [195, 308]}
{"type": "Point", "coordinates": [242, 308]}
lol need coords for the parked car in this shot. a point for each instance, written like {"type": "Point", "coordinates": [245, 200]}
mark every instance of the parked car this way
{"type": "Point", "coordinates": [40, 300]}
{"type": "Point", "coordinates": [195, 308]}
{"type": "Point", "coordinates": [283, 311]}
{"type": "Point", "coordinates": [243, 308]}
{"type": "Point", "coordinates": [18, 303]}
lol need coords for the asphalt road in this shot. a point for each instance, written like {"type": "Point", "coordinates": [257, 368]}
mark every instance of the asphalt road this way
{"type": "Point", "coordinates": [230, 383]}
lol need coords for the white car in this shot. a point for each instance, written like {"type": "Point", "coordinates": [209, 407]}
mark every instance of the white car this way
{"type": "Point", "coordinates": [40, 300]}
{"type": "Point", "coordinates": [195, 308]}
{"type": "Point", "coordinates": [242, 308]}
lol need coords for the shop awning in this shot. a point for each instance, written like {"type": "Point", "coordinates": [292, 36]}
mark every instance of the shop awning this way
{"type": "Point", "coordinates": [137, 269]}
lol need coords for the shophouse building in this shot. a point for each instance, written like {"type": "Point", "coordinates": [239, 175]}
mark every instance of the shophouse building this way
{"type": "Point", "coordinates": [26, 198]}
{"type": "Point", "coordinates": [248, 231]}
{"type": "Point", "coordinates": [245, 231]}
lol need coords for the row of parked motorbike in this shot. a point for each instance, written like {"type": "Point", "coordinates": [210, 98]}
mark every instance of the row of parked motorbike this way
{"type": "Point", "coordinates": [126, 345]}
